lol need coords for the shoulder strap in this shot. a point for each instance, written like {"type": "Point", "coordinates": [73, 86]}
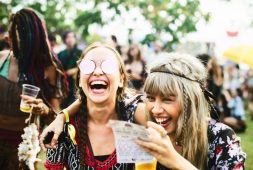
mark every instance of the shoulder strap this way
{"type": "Point", "coordinates": [91, 152]}
{"type": "Point", "coordinates": [5, 61]}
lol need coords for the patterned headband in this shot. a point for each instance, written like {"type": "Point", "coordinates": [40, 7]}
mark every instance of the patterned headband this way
{"type": "Point", "coordinates": [207, 94]}
{"type": "Point", "coordinates": [179, 75]}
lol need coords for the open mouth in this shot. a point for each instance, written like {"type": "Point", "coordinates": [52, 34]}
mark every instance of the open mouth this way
{"type": "Point", "coordinates": [98, 86]}
{"type": "Point", "coordinates": [162, 120]}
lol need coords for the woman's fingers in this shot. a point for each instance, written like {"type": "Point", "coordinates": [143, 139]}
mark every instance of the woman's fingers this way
{"type": "Point", "coordinates": [49, 144]}
{"type": "Point", "coordinates": [56, 127]}
{"type": "Point", "coordinates": [42, 138]}
{"type": "Point", "coordinates": [153, 133]}
{"type": "Point", "coordinates": [40, 109]}
{"type": "Point", "coordinates": [30, 99]}
{"type": "Point", "coordinates": [150, 146]}
{"type": "Point", "coordinates": [154, 153]}
{"type": "Point", "coordinates": [57, 131]}
{"type": "Point", "coordinates": [158, 128]}
{"type": "Point", "coordinates": [38, 106]}
{"type": "Point", "coordinates": [158, 141]}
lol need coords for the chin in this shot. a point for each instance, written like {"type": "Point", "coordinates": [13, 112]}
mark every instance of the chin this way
{"type": "Point", "coordinates": [98, 99]}
{"type": "Point", "coordinates": [170, 129]}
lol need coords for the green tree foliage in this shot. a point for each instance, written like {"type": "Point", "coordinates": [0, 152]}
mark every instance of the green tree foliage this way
{"type": "Point", "coordinates": [168, 17]}
{"type": "Point", "coordinates": [175, 18]}
{"type": "Point", "coordinates": [84, 19]}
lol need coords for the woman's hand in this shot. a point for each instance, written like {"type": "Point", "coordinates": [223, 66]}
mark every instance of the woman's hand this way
{"type": "Point", "coordinates": [37, 104]}
{"type": "Point", "coordinates": [57, 127]}
{"type": "Point", "coordinates": [161, 147]}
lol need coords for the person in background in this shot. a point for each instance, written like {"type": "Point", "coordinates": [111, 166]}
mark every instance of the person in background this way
{"type": "Point", "coordinates": [249, 85]}
{"type": "Point", "coordinates": [29, 61]}
{"type": "Point", "coordinates": [182, 135]}
{"type": "Point", "coordinates": [4, 42]}
{"type": "Point", "coordinates": [234, 76]}
{"type": "Point", "coordinates": [113, 41]}
{"type": "Point", "coordinates": [215, 80]}
{"type": "Point", "coordinates": [135, 66]}
{"type": "Point", "coordinates": [157, 52]}
{"type": "Point", "coordinates": [68, 58]}
{"type": "Point", "coordinates": [52, 41]}
{"type": "Point", "coordinates": [236, 119]}
{"type": "Point", "coordinates": [214, 84]}
{"type": "Point", "coordinates": [215, 76]}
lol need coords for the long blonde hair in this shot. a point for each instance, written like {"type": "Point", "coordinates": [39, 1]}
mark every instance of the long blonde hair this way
{"type": "Point", "coordinates": [182, 75]}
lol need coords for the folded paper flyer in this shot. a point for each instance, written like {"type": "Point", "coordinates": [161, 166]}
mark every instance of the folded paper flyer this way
{"type": "Point", "coordinates": [125, 134]}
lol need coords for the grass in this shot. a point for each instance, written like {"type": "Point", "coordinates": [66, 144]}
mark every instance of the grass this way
{"type": "Point", "coordinates": [247, 143]}
{"type": "Point", "coordinates": [42, 156]}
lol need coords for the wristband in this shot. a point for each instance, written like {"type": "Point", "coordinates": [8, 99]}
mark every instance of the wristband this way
{"type": "Point", "coordinates": [71, 128]}
{"type": "Point", "coordinates": [66, 115]}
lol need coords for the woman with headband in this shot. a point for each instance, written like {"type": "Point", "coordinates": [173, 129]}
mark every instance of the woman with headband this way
{"type": "Point", "coordinates": [182, 133]}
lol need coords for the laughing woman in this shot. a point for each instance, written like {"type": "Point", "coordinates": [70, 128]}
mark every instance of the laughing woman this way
{"type": "Point", "coordinates": [186, 137]}
{"type": "Point", "coordinates": [101, 82]}
{"type": "Point", "coordinates": [182, 134]}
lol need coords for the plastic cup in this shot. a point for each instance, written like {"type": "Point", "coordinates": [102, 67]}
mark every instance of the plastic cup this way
{"type": "Point", "coordinates": [146, 165]}
{"type": "Point", "coordinates": [31, 91]}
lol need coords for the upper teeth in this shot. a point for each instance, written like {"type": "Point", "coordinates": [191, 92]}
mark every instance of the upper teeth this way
{"type": "Point", "coordinates": [98, 82]}
{"type": "Point", "coordinates": [159, 120]}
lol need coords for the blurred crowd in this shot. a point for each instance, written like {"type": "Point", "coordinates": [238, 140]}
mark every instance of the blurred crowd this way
{"type": "Point", "coordinates": [231, 87]}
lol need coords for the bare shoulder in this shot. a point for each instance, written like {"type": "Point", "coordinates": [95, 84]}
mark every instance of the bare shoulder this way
{"type": "Point", "coordinates": [3, 55]}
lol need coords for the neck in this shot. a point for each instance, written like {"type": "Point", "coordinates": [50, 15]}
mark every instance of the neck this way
{"type": "Point", "coordinates": [70, 48]}
{"type": "Point", "coordinates": [176, 144]}
{"type": "Point", "coordinates": [102, 113]}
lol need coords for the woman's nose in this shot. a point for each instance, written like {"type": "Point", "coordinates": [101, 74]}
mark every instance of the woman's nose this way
{"type": "Point", "coordinates": [98, 71]}
{"type": "Point", "coordinates": [157, 108]}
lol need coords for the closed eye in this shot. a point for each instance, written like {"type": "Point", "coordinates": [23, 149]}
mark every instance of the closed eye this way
{"type": "Point", "coordinates": [169, 99]}
{"type": "Point", "coordinates": [150, 98]}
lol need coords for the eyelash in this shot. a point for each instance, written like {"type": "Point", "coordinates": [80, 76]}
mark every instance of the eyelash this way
{"type": "Point", "coordinates": [151, 98]}
{"type": "Point", "coordinates": [167, 100]}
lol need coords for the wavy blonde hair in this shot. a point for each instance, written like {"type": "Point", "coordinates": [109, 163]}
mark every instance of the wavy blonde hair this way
{"type": "Point", "coordinates": [183, 75]}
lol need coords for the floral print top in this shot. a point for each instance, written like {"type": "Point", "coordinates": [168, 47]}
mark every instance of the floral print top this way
{"type": "Point", "coordinates": [225, 152]}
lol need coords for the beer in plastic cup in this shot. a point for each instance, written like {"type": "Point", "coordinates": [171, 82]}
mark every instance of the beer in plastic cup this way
{"type": "Point", "coordinates": [146, 165]}
{"type": "Point", "coordinates": [31, 91]}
